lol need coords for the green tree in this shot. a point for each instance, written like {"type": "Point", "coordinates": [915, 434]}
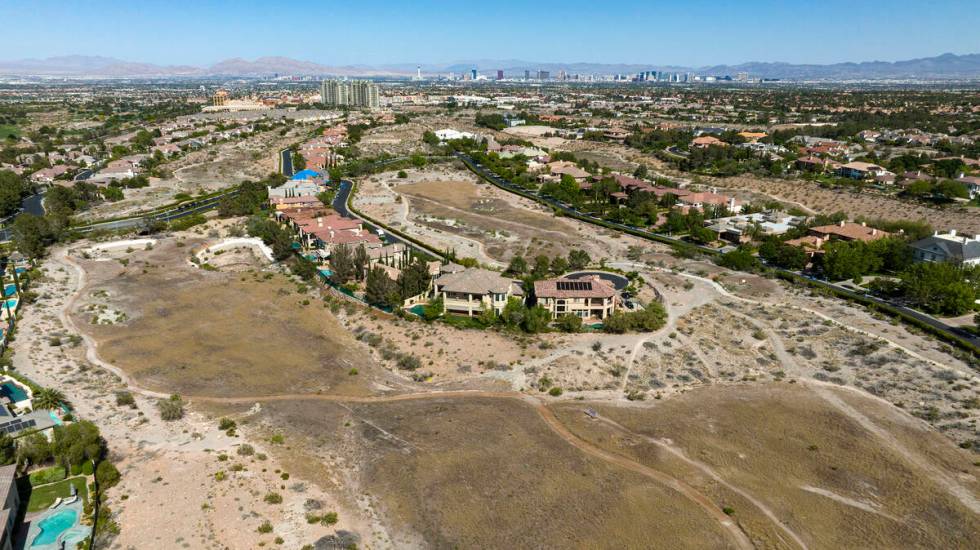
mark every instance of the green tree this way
{"type": "Point", "coordinates": [8, 450]}
{"type": "Point", "coordinates": [578, 259]}
{"type": "Point", "coordinates": [740, 259]}
{"type": "Point", "coordinates": [31, 235]}
{"type": "Point", "coordinates": [542, 265]}
{"type": "Point", "coordinates": [380, 290]}
{"type": "Point", "coordinates": [569, 323]}
{"type": "Point", "coordinates": [34, 449]}
{"type": "Point", "coordinates": [361, 261]}
{"type": "Point", "coordinates": [941, 287]}
{"type": "Point", "coordinates": [342, 265]}
{"type": "Point", "coordinates": [559, 265]}
{"type": "Point", "coordinates": [12, 190]}
{"type": "Point", "coordinates": [514, 312]}
{"type": "Point", "coordinates": [845, 260]}
{"type": "Point", "coordinates": [536, 319]}
{"type": "Point", "coordinates": [48, 398]}
{"type": "Point", "coordinates": [414, 279]}
{"type": "Point", "coordinates": [434, 309]}
{"type": "Point", "coordinates": [517, 266]}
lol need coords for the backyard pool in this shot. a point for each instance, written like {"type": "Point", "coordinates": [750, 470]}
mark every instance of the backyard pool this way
{"type": "Point", "coordinates": [9, 290]}
{"type": "Point", "coordinates": [54, 525]}
{"type": "Point", "coordinates": [12, 303]}
{"type": "Point", "coordinates": [326, 273]}
{"type": "Point", "coordinates": [13, 391]}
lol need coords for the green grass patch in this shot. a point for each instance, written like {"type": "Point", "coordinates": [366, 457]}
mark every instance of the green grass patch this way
{"type": "Point", "coordinates": [9, 130]}
{"type": "Point", "coordinates": [44, 496]}
{"type": "Point", "coordinates": [47, 475]}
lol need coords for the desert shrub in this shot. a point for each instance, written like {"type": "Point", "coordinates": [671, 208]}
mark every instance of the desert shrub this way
{"type": "Point", "coordinates": [245, 450]}
{"type": "Point", "coordinates": [266, 527]}
{"type": "Point", "coordinates": [171, 409]}
{"type": "Point", "coordinates": [273, 498]}
{"type": "Point", "coordinates": [125, 399]}
{"type": "Point", "coordinates": [226, 424]}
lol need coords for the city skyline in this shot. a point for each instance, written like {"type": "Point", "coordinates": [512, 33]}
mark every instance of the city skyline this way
{"type": "Point", "coordinates": [697, 34]}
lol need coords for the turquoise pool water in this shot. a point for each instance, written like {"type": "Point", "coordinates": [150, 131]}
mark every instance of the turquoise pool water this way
{"type": "Point", "coordinates": [12, 303]}
{"type": "Point", "coordinates": [54, 525]}
{"type": "Point", "coordinates": [13, 391]}
{"type": "Point", "coordinates": [417, 310]}
{"type": "Point", "coordinates": [326, 273]}
{"type": "Point", "coordinates": [9, 290]}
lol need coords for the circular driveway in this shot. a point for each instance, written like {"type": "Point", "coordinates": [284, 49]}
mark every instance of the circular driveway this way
{"type": "Point", "coordinates": [618, 281]}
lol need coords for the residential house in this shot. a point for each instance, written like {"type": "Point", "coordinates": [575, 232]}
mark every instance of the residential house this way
{"type": "Point", "coordinates": [11, 505]}
{"type": "Point", "coordinates": [295, 188]}
{"type": "Point", "coordinates": [471, 291]}
{"type": "Point", "coordinates": [861, 170]}
{"type": "Point", "coordinates": [948, 247]}
{"type": "Point", "coordinates": [48, 175]}
{"type": "Point", "coordinates": [591, 299]}
{"type": "Point", "coordinates": [738, 229]}
{"type": "Point", "coordinates": [848, 231]}
{"type": "Point", "coordinates": [704, 142]}
{"type": "Point", "coordinates": [972, 185]}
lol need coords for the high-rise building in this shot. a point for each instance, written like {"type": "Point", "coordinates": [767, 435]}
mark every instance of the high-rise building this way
{"type": "Point", "coordinates": [500, 74]}
{"type": "Point", "coordinates": [473, 74]}
{"type": "Point", "coordinates": [527, 74]}
{"type": "Point", "coordinates": [543, 75]}
{"type": "Point", "coordinates": [350, 93]}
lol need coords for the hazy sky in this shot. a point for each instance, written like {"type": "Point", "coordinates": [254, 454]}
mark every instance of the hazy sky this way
{"type": "Point", "coordinates": [335, 32]}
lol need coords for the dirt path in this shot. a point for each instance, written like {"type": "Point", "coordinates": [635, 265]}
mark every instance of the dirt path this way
{"type": "Point", "coordinates": [707, 470]}
{"type": "Point", "coordinates": [738, 536]}
{"type": "Point", "coordinates": [964, 495]}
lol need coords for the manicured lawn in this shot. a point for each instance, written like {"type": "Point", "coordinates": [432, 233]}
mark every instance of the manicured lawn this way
{"type": "Point", "coordinates": [45, 495]}
{"type": "Point", "coordinates": [47, 475]}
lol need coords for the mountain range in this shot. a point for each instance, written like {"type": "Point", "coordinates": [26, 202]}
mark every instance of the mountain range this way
{"type": "Point", "coordinates": [947, 66]}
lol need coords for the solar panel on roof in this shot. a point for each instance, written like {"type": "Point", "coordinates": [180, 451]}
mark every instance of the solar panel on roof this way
{"type": "Point", "coordinates": [573, 285]}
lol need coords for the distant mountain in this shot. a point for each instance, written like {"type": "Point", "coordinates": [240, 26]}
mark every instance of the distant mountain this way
{"type": "Point", "coordinates": [80, 66]}
{"type": "Point", "coordinates": [945, 66]}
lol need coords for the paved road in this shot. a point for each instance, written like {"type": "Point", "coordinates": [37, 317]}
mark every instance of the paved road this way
{"type": "Point", "coordinates": [639, 232]}
{"type": "Point", "coordinates": [286, 163]}
{"type": "Point", "coordinates": [340, 205]}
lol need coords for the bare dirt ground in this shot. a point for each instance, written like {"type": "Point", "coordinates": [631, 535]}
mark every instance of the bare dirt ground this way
{"type": "Point", "coordinates": [211, 168]}
{"type": "Point", "coordinates": [447, 207]}
{"type": "Point", "coordinates": [828, 482]}
{"type": "Point", "coordinates": [858, 418]}
{"type": "Point", "coordinates": [170, 495]}
{"type": "Point", "coordinates": [855, 203]}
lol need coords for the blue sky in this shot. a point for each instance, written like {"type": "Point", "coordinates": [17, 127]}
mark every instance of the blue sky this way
{"type": "Point", "coordinates": [334, 32]}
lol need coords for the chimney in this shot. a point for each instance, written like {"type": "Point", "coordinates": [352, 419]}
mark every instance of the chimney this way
{"type": "Point", "coordinates": [319, 222]}
{"type": "Point", "coordinates": [874, 232]}
{"type": "Point", "coordinates": [864, 224]}
{"type": "Point", "coordinates": [841, 223]}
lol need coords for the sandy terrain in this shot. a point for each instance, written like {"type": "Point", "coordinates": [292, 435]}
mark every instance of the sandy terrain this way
{"type": "Point", "coordinates": [448, 208]}
{"type": "Point", "coordinates": [169, 495]}
{"type": "Point", "coordinates": [855, 203]}
{"type": "Point", "coordinates": [858, 417]}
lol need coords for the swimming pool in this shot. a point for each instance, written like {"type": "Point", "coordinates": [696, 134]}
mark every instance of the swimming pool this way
{"type": "Point", "coordinates": [11, 303]}
{"type": "Point", "coordinates": [54, 525]}
{"type": "Point", "coordinates": [13, 391]}
{"type": "Point", "coordinates": [326, 273]}
{"type": "Point", "coordinates": [9, 290]}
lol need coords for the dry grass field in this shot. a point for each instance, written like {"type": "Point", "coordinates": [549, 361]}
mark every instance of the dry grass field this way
{"type": "Point", "coordinates": [179, 329]}
{"type": "Point", "coordinates": [831, 480]}
{"type": "Point", "coordinates": [753, 423]}
{"type": "Point", "coordinates": [482, 473]}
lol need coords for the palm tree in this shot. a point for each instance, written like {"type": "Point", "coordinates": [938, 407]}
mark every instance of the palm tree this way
{"type": "Point", "coordinates": [48, 398]}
